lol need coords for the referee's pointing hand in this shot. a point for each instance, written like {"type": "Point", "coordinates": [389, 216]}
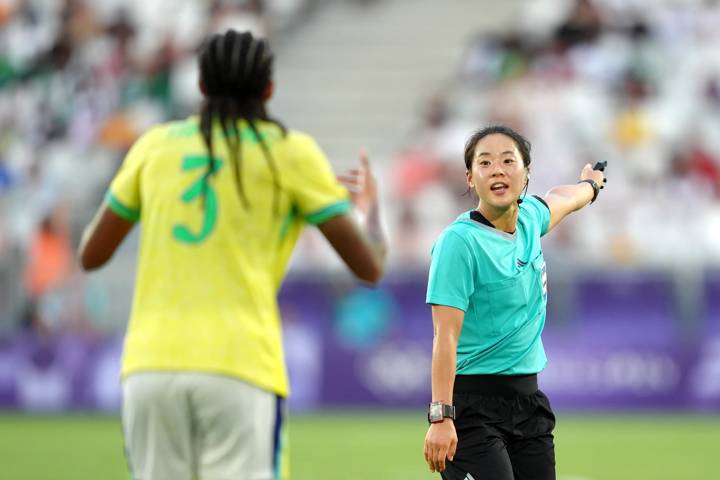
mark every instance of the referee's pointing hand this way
{"type": "Point", "coordinates": [440, 443]}
{"type": "Point", "coordinates": [589, 174]}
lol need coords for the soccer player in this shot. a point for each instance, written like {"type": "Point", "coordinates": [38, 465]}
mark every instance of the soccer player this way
{"type": "Point", "coordinates": [487, 288]}
{"type": "Point", "coordinates": [222, 199]}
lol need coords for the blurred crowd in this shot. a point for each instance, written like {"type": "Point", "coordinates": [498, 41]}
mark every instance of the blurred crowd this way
{"type": "Point", "coordinates": [636, 83]}
{"type": "Point", "coordinates": [633, 82]}
{"type": "Point", "coordinates": [79, 81]}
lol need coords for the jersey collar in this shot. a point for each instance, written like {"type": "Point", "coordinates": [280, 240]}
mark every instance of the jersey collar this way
{"type": "Point", "coordinates": [480, 218]}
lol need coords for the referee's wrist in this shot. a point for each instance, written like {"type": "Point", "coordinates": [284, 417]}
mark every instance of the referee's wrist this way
{"type": "Point", "coordinates": [595, 187]}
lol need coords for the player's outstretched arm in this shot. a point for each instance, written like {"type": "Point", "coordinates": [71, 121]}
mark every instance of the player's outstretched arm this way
{"type": "Point", "coordinates": [361, 245]}
{"type": "Point", "coordinates": [565, 199]}
{"type": "Point", "coordinates": [101, 238]}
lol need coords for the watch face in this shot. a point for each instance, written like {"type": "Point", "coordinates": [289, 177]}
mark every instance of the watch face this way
{"type": "Point", "coordinates": [436, 412]}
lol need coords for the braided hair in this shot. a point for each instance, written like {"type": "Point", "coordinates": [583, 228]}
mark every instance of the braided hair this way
{"type": "Point", "coordinates": [235, 70]}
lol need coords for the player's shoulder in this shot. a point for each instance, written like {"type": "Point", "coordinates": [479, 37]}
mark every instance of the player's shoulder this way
{"type": "Point", "coordinates": [159, 134]}
{"type": "Point", "coordinates": [303, 151]}
{"type": "Point", "coordinates": [180, 128]}
{"type": "Point", "coordinates": [189, 126]}
{"type": "Point", "coordinates": [298, 138]}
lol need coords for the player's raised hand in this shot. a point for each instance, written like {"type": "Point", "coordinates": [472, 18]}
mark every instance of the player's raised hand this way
{"type": "Point", "coordinates": [361, 184]}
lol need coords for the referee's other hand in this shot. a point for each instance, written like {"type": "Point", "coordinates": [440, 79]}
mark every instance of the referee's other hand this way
{"type": "Point", "coordinates": [440, 443]}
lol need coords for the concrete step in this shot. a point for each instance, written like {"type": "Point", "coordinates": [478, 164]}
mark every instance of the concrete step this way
{"type": "Point", "coordinates": [355, 74]}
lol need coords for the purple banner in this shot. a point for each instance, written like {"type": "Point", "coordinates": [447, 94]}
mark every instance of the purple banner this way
{"type": "Point", "coordinates": [350, 346]}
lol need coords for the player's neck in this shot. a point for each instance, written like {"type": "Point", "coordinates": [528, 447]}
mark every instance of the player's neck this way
{"type": "Point", "coordinates": [504, 219]}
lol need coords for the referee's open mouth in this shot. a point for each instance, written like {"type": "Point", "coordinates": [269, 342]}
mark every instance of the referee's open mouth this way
{"type": "Point", "coordinates": [499, 188]}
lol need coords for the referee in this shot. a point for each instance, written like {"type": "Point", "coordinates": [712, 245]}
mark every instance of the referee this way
{"type": "Point", "coordinates": [488, 291]}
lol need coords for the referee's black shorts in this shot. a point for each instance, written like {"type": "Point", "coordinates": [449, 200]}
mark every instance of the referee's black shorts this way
{"type": "Point", "coordinates": [504, 426]}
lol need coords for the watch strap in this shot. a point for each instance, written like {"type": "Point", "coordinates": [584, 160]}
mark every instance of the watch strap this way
{"type": "Point", "coordinates": [595, 187]}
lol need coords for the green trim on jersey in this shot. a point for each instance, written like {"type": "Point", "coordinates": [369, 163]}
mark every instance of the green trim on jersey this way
{"type": "Point", "coordinates": [324, 214]}
{"type": "Point", "coordinates": [287, 221]}
{"type": "Point", "coordinates": [130, 214]}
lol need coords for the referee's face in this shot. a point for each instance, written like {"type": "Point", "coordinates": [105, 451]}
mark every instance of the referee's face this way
{"type": "Point", "coordinates": [498, 174]}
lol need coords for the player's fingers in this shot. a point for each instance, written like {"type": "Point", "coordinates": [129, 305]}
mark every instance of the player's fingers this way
{"type": "Point", "coordinates": [347, 179]}
{"type": "Point", "coordinates": [354, 173]}
{"type": "Point", "coordinates": [364, 161]}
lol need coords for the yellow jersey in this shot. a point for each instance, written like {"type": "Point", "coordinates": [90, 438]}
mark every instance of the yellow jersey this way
{"type": "Point", "coordinates": [209, 267]}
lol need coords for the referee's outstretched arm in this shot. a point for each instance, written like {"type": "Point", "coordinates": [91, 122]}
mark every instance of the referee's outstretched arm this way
{"type": "Point", "coordinates": [565, 199]}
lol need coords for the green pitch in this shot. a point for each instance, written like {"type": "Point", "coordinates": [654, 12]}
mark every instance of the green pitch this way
{"type": "Point", "coordinates": [360, 446]}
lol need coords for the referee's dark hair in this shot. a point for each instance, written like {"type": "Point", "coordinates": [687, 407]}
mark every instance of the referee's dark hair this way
{"type": "Point", "coordinates": [523, 145]}
{"type": "Point", "coordinates": [235, 74]}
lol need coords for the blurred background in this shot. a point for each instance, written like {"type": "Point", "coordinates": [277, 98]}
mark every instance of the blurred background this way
{"type": "Point", "coordinates": [633, 333]}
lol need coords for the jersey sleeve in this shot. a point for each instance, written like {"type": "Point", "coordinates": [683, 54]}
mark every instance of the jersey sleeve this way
{"type": "Point", "coordinates": [315, 191]}
{"type": "Point", "coordinates": [123, 196]}
{"type": "Point", "coordinates": [539, 211]}
{"type": "Point", "coordinates": [451, 280]}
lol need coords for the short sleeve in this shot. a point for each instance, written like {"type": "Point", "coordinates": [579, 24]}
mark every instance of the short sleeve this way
{"type": "Point", "coordinates": [315, 190]}
{"type": "Point", "coordinates": [539, 211]}
{"type": "Point", "coordinates": [452, 275]}
{"type": "Point", "coordinates": [123, 196]}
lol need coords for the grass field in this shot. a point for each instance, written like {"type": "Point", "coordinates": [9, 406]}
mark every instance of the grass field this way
{"type": "Point", "coordinates": [355, 446]}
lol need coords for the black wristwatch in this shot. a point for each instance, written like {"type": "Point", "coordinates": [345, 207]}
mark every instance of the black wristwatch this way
{"type": "Point", "coordinates": [438, 411]}
{"type": "Point", "coordinates": [594, 185]}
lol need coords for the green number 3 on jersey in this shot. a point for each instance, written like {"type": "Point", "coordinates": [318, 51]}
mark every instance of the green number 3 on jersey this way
{"type": "Point", "coordinates": [195, 162]}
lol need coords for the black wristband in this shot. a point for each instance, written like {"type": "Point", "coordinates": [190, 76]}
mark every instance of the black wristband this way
{"type": "Point", "coordinates": [594, 185]}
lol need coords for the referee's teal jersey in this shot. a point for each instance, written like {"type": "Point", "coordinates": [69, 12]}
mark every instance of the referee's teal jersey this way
{"type": "Point", "coordinates": [498, 279]}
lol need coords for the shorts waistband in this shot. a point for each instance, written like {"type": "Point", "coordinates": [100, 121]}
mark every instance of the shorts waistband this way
{"type": "Point", "coordinates": [497, 385]}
